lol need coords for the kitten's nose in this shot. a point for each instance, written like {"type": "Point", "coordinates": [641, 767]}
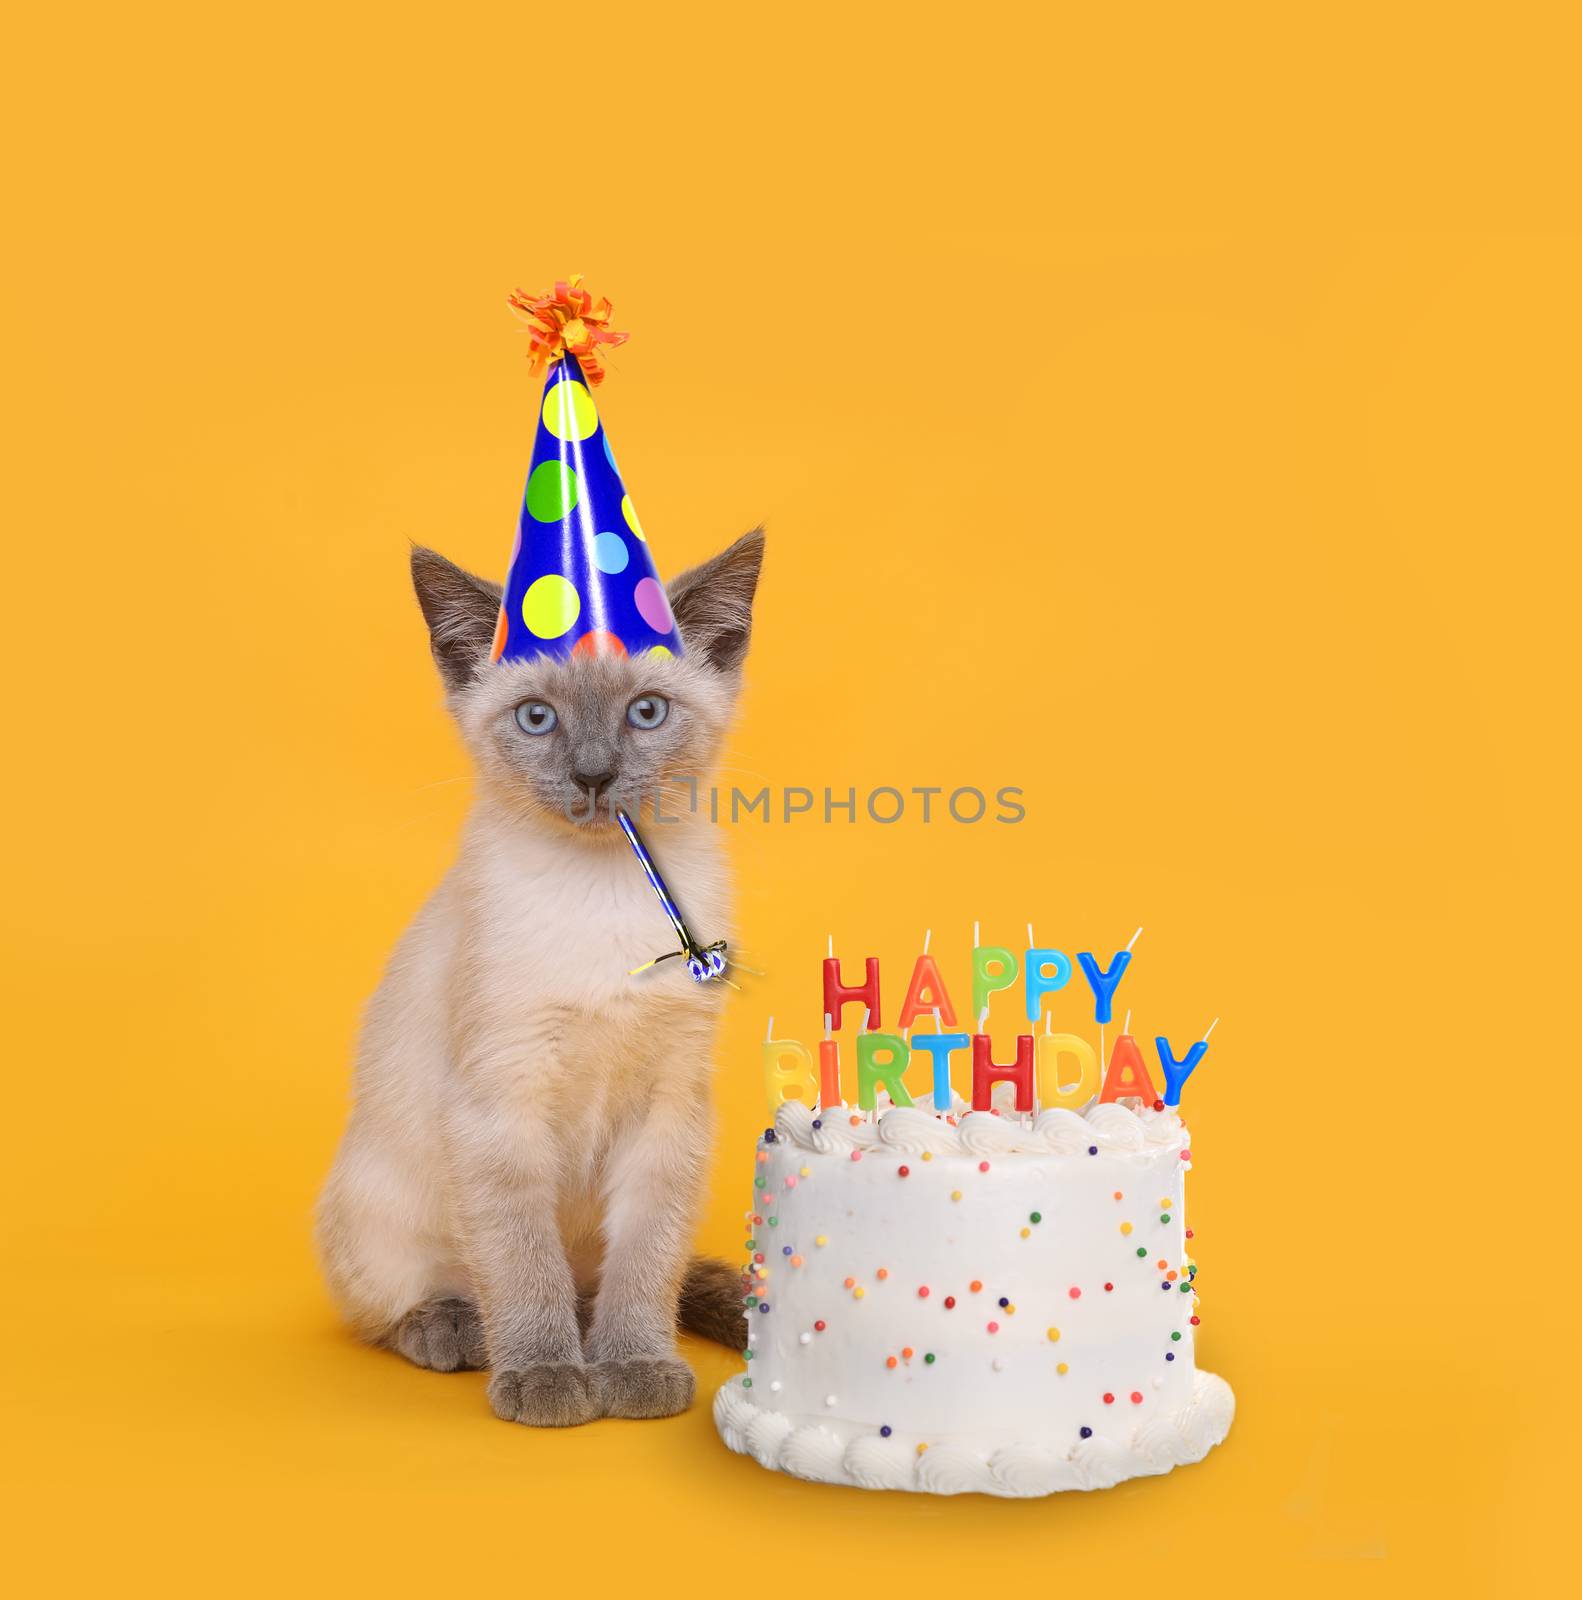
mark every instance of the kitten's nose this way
{"type": "Point", "coordinates": [597, 781]}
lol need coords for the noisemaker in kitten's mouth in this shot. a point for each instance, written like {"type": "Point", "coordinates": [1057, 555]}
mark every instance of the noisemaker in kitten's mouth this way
{"type": "Point", "coordinates": [582, 581]}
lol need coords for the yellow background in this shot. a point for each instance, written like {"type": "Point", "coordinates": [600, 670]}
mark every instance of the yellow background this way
{"type": "Point", "coordinates": [1176, 419]}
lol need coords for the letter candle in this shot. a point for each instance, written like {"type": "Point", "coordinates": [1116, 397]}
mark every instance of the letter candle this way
{"type": "Point", "coordinates": [1104, 982]}
{"type": "Point", "coordinates": [829, 1094]}
{"type": "Point", "coordinates": [788, 1069]}
{"type": "Point", "coordinates": [986, 1072]}
{"type": "Point", "coordinates": [838, 995]}
{"type": "Point", "coordinates": [1051, 1048]}
{"type": "Point", "coordinates": [993, 968]}
{"type": "Point", "coordinates": [1177, 1072]}
{"type": "Point", "coordinates": [941, 1046]}
{"type": "Point", "coordinates": [881, 1059]}
{"type": "Point", "coordinates": [1128, 1073]}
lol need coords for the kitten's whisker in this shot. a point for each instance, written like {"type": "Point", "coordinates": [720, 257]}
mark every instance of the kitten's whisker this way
{"type": "Point", "coordinates": [440, 783]}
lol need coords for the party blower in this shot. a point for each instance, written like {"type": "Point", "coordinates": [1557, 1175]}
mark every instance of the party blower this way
{"type": "Point", "coordinates": [582, 580]}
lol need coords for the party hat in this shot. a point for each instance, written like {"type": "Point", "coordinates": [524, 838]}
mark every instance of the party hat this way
{"type": "Point", "coordinates": [582, 581]}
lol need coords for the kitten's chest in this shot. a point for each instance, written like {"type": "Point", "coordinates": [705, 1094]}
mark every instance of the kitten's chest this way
{"type": "Point", "coordinates": [573, 924]}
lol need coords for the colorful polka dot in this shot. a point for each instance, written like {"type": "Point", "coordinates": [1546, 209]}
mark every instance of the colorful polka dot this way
{"type": "Point", "coordinates": [552, 491]}
{"type": "Point", "coordinates": [629, 511]}
{"type": "Point", "coordinates": [569, 411]}
{"type": "Point", "coordinates": [652, 606]}
{"type": "Point", "coordinates": [600, 642]}
{"type": "Point", "coordinates": [609, 455]}
{"type": "Point", "coordinates": [610, 553]}
{"type": "Point", "coordinates": [551, 606]}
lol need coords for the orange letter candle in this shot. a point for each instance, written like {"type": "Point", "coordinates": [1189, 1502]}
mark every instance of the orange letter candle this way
{"type": "Point", "coordinates": [1128, 1074]}
{"type": "Point", "coordinates": [926, 992]}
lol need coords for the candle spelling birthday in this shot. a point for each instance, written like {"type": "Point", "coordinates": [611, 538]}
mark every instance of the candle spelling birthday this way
{"type": "Point", "coordinates": [1034, 1071]}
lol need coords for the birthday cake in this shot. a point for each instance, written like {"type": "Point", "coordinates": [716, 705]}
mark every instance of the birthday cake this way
{"type": "Point", "coordinates": [996, 1296]}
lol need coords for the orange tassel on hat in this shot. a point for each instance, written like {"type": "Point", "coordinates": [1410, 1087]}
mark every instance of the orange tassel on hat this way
{"type": "Point", "coordinates": [568, 319]}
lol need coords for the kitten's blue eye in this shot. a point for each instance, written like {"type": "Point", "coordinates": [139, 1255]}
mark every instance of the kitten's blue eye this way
{"type": "Point", "coordinates": [535, 716]}
{"type": "Point", "coordinates": [648, 712]}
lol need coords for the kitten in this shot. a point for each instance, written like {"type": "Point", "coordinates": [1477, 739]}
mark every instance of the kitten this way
{"type": "Point", "coordinates": [517, 1185]}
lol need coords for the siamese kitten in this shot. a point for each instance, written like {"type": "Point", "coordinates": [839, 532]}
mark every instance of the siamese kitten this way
{"type": "Point", "coordinates": [517, 1186]}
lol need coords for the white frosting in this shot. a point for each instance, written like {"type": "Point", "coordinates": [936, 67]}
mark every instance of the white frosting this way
{"type": "Point", "coordinates": [1173, 1439]}
{"type": "Point", "coordinates": [1001, 1407]}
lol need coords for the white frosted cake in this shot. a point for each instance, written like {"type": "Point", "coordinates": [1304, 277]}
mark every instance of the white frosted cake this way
{"type": "Point", "coordinates": [993, 1302]}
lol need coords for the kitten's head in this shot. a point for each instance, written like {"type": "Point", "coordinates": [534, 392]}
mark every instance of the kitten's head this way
{"type": "Point", "coordinates": [558, 741]}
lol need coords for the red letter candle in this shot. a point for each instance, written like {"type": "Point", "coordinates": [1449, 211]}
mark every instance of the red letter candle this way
{"type": "Point", "coordinates": [986, 1072]}
{"type": "Point", "coordinates": [836, 994]}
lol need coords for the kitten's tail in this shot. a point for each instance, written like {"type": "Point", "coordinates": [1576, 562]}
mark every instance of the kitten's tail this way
{"type": "Point", "coordinates": [711, 1303]}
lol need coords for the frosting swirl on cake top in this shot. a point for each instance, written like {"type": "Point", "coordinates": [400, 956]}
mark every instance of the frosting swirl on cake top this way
{"type": "Point", "coordinates": [911, 1130]}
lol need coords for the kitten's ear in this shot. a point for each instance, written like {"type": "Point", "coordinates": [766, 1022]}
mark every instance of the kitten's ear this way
{"type": "Point", "coordinates": [713, 602]}
{"type": "Point", "coordinates": [460, 610]}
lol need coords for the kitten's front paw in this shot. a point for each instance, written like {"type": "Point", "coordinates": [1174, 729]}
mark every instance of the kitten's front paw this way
{"type": "Point", "coordinates": [653, 1388]}
{"type": "Point", "coordinates": [553, 1395]}
{"type": "Point", "coordinates": [442, 1335]}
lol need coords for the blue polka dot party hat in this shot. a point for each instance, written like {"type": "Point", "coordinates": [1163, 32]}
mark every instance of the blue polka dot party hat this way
{"type": "Point", "coordinates": [582, 580]}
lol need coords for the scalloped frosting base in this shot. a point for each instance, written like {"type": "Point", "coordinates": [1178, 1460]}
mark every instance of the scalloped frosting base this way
{"type": "Point", "coordinates": [820, 1453]}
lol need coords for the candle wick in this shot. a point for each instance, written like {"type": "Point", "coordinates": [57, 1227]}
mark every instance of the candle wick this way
{"type": "Point", "coordinates": [1126, 1026]}
{"type": "Point", "coordinates": [928, 933]}
{"type": "Point", "coordinates": [1211, 1027]}
{"type": "Point", "coordinates": [975, 936]}
{"type": "Point", "coordinates": [1134, 938]}
{"type": "Point", "coordinates": [769, 1033]}
{"type": "Point", "coordinates": [1032, 943]}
